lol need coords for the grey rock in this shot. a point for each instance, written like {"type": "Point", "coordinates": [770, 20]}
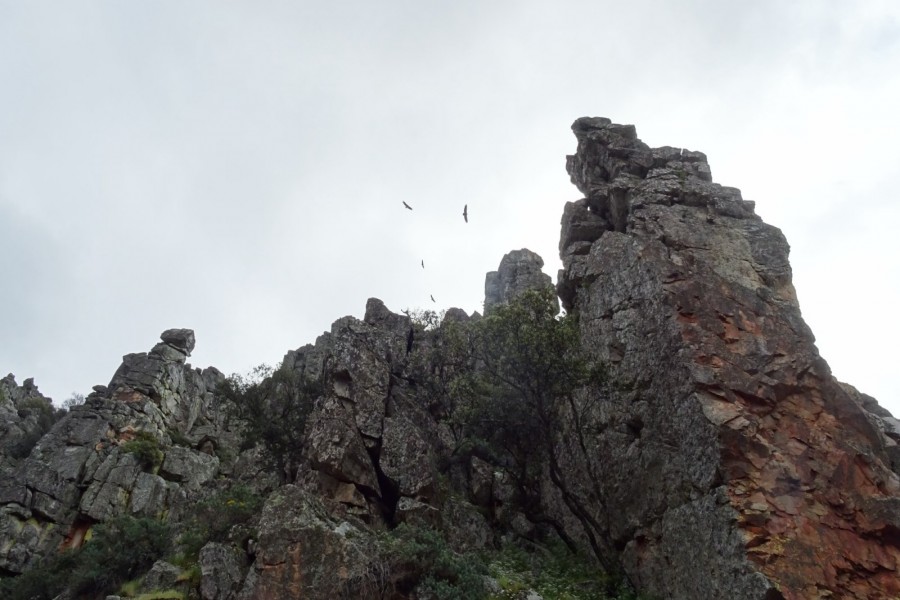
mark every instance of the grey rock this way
{"type": "Point", "coordinates": [519, 271]}
{"type": "Point", "coordinates": [190, 468]}
{"type": "Point", "coordinates": [109, 492]}
{"type": "Point", "coordinates": [161, 577]}
{"type": "Point", "coordinates": [407, 457]}
{"type": "Point", "coordinates": [181, 339]}
{"type": "Point", "coordinates": [336, 447]}
{"type": "Point", "coordinates": [717, 390]}
{"type": "Point", "coordinates": [301, 550]}
{"type": "Point", "coordinates": [148, 496]}
{"type": "Point", "coordinates": [221, 572]}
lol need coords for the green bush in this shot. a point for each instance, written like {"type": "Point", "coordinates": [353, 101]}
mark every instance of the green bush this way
{"type": "Point", "coordinates": [119, 550]}
{"type": "Point", "coordinates": [146, 447]}
{"type": "Point", "coordinates": [553, 572]}
{"type": "Point", "coordinates": [223, 517]}
{"type": "Point", "coordinates": [427, 564]}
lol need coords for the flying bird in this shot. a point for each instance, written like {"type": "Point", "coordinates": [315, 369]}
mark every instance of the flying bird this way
{"type": "Point", "coordinates": [466, 213]}
{"type": "Point", "coordinates": [406, 205]}
{"type": "Point", "coordinates": [432, 298]}
{"type": "Point", "coordinates": [423, 263]}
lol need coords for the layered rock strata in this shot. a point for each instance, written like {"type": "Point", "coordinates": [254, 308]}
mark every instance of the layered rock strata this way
{"type": "Point", "coordinates": [80, 473]}
{"type": "Point", "coordinates": [725, 447]}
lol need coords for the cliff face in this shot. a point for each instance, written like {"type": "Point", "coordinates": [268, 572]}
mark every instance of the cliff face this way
{"type": "Point", "coordinates": [728, 447]}
{"type": "Point", "coordinates": [717, 458]}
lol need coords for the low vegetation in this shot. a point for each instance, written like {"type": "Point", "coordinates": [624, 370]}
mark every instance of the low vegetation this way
{"type": "Point", "coordinates": [426, 564]}
{"type": "Point", "coordinates": [146, 448]}
{"type": "Point", "coordinates": [119, 550]}
{"type": "Point", "coordinates": [223, 517]}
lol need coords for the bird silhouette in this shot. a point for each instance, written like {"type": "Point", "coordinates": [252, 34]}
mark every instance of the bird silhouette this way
{"type": "Point", "coordinates": [406, 205]}
{"type": "Point", "coordinates": [432, 298]}
{"type": "Point", "coordinates": [423, 263]}
{"type": "Point", "coordinates": [466, 213]}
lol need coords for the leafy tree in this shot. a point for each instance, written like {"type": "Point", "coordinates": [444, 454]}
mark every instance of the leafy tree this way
{"type": "Point", "coordinates": [510, 390]}
{"type": "Point", "coordinates": [274, 405]}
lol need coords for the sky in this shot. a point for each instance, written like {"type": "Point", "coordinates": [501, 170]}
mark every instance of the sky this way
{"type": "Point", "coordinates": [238, 168]}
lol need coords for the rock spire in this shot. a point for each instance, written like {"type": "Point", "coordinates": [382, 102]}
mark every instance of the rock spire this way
{"type": "Point", "coordinates": [727, 447]}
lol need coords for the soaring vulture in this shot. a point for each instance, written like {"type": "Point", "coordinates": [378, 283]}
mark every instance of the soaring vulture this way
{"type": "Point", "coordinates": [466, 213]}
{"type": "Point", "coordinates": [406, 205]}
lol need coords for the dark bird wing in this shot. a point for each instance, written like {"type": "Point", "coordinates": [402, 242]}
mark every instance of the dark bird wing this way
{"type": "Point", "coordinates": [406, 205]}
{"type": "Point", "coordinates": [466, 213]}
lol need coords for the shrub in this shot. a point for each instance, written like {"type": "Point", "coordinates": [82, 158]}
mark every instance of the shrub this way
{"type": "Point", "coordinates": [427, 564]}
{"type": "Point", "coordinates": [146, 447]}
{"type": "Point", "coordinates": [553, 572]}
{"type": "Point", "coordinates": [120, 549]}
{"type": "Point", "coordinates": [215, 520]}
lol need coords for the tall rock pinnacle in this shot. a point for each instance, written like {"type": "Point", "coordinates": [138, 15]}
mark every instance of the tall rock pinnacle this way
{"type": "Point", "coordinates": [735, 464]}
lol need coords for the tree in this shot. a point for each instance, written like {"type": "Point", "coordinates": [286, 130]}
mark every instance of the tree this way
{"type": "Point", "coordinates": [274, 404]}
{"type": "Point", "coordinates": [518, 399]}
{"type": "Point", "coordinates": [72, 401]}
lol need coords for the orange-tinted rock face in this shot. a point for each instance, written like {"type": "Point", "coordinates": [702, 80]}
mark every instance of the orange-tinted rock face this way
{"type": "Point", "coordinates": [803, 465]}
{"type": "Point", "coordinates": [689, 296]}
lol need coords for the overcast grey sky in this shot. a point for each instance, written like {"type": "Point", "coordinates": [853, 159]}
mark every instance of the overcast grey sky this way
{"type": "Point", "coordinates": [238, 168]}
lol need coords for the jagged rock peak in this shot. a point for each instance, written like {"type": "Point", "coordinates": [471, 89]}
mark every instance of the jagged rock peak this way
{"type": "Point", "coordinates": [728, 446]}
{"type": "Point", "coordinates": [519, 271]}
{"type": "Point", "coordinates": [625, 183]}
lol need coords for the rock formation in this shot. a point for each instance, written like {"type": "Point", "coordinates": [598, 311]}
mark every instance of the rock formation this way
{"type": "Point", "coordinates": [25, 415]}
{"type": "Point", "coordinates": [728, 448]}
{"type": "Point", "coordinates": [715, 458]}
{"type": "Point", "coordinates": [79, 473]}
{"type": "Point", "coordinates": [519, 270]}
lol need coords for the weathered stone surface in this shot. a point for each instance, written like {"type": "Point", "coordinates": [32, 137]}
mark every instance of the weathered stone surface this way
{"type": "Point", "coordinates": [188, 467]}
{"type": "Point", "coordinates": [25, 414]}
{"type": "Point", "coordinates": [519, 271]}
{"type": "Point", "coordinates": [725, 446]}
{"type": "Point", "coordinates": [162, 576]}
{"type": "Point", "coordinates": [221, 572]}
{"type": "Point", "coordinates": [721, 460]}
{"type": "Point", "coordinates": [181, 339]}
{"type": "Point", "coordinates": [109, 492]}
{"type": "Point", "coordinates": [78, 472]}
{"type": "Point", "coordinates": [407, 457]}
{"type": "Point", "coordinates": [302, 552]}
{"type": "Point", "coordinates": [336, 447]}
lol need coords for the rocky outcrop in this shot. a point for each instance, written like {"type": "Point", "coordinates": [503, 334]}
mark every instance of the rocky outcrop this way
{"type": "Point", "coordinates": [25, 415]}
{"type": "Point", "coordinates": [82, 471]}
{"type": "Point", "coordinates": [717, 459]}
{"type": "Point", "coordinates": [724, 445]}
{"type": "Point", "coordinates": [519, 271]}
{"type": "Point", "coordinates": [304, 552]}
